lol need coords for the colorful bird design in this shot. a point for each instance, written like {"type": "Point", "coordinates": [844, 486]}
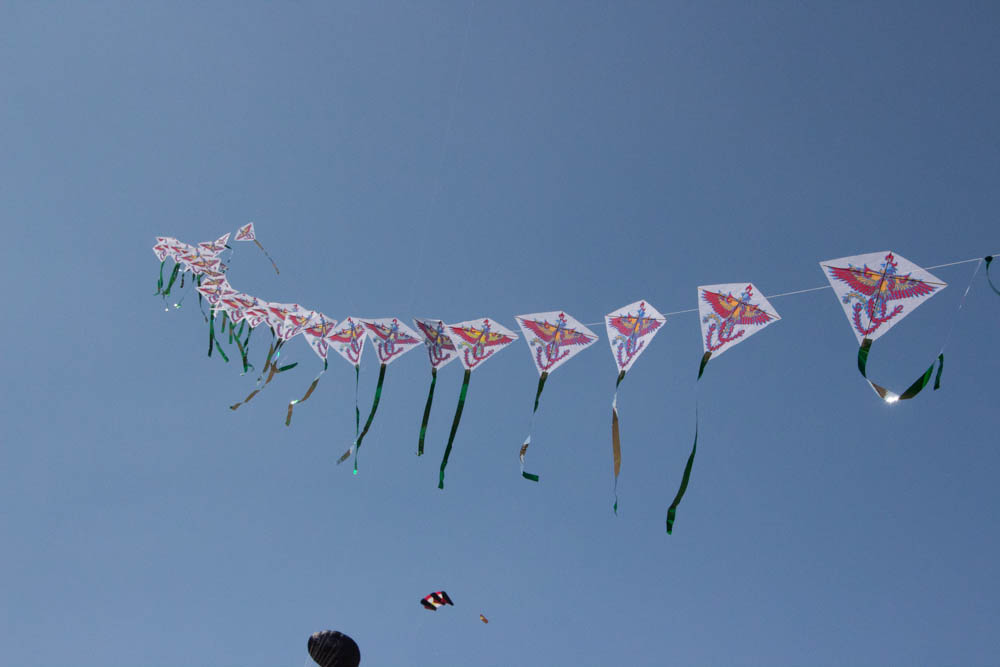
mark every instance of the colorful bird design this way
{"type": "Point", "coordinates": [479, 343]}
{"type": "Point", "coordinates": [246, 233]}
{"type": "Point", "coordinates": [872, 290]}
{"type": "Point", "coordinates": [730, 312]}
{"type": "Point", "coordinates": [630, 334]}
{"type": "Point", "coordinates": [554, 340]}
{"type": "Point", "coordinates": [392, 338]}
{"type": "Point", "coordinates": [351, 339]}
{"type": "Point", "coordinates": [440, 349]}
{"type": "Point", "coordinates": [215, 247]}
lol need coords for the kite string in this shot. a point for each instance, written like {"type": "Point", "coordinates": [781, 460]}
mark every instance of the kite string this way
{"type": "Point", "coordinates": [811, 289]}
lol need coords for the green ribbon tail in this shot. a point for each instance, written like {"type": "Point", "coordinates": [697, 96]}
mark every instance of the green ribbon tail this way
{"type": "Point", "coordinates": [427, 412]}
{"type": "Point", "coordinates": [524, 448]}
{"type": "Point", "coordinates": [371, 416]}
{"type": "Point", "coordinates": [616, 442]}
{"type": "Point", "coordinates": [704, 362]}
{"type": "Point", "coordinates": [173, 277]}
{"type": "Point", "coordinates": [454, 425]}
{"type": "Point", "coordinates": [672, 511]}
{"type": "Point", "coordinates": [937, 380]}
{"type": "Point", "coordinates": [309, 391]}
{"type": "Point", "coordinates": [159, 283]}
{"type": "Point", "coordinates": [243, 348]}
{"type": "Point", "coordinates": [211, 332]}
{"type": "Point", "coordinates": [912, 390]}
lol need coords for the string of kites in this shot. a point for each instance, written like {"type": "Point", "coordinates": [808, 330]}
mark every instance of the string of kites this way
{"type": "Point", "coordinates": [876, 290]}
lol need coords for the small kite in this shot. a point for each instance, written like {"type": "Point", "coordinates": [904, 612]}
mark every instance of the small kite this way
{"type": "Point", "coordinates": [440, 351]}
{"type": "Point", "coordinates": [317, 330]}
{"type": "Point", "coordinates": [630, 329]}
{"type": "Point", "coordinates": [392, 339]}
{"type": "Point", "coordinates": [434, 600]}
{"type": "Point", "coordinates": [876, 291]}
{"type": "Point", "coordinates": [483, 619]}
{"type": "Point", "coordinates": [553, 338]}
{"type": "Point", "coordinates": [729, 314]}
{"type": "Point", "coordinates": [476, 341]}
{"type": "Point", "coordinates": [247, 233]}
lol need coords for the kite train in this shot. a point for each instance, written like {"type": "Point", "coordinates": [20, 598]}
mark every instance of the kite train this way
{"type": "Point", "coordinates": [876, 291]}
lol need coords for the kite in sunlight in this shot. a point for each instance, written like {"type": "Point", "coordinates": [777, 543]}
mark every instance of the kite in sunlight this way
{"type": "Point", "coordinates": [630, 329]}
{"type": "Point", "coordinates": [729, 314]}
{"type": "Point", "coordinates": [440, 351]}
{"type": "Point", "coordinates": [476, 341]}
{"type": "Point", "coordinates": [434, 600]}
{"type": "Point", "coordinates": [247, 233]}
{"type": "Point", "coordinates": [553, 339]}
{"type": "Point", "coordinates": [877, 291]}
{"type": "Point", "coordinates": [317, 330]}
{"type": "Point", "coordinates": [392, 339]}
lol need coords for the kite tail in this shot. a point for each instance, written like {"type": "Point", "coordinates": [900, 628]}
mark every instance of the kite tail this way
{"type": "Point", "coordinates": [531, 427]}
{"type": "Point", "coordinates": [672, 510]}
{"type": "Point", "coordinates": [911, 391]}
{"type": "Point", "coordinates": [427, 412]}
{"type": "Point", "coordinates": [268, 256]}
{"type": "Point", "coordinates": [454, 425]}
{"type": "Point", "coordinates": [704, 361]}
{"type": "Point", "coordinates": [616, 443]}
{"type": "Point", "coordinates": [159, 283]}
{"type": "Point", "coordinates": [211, 334]}
{"type": "Point", "coordinates": [271, 362]}
{"type": "Point", "coordinates": [988, 259]}
{"type": "Point", "coordinates": [244, 347]}
{"type": "Point", "coordinates": [357, 414]}
{"type": "Point", "coordinates": [922, 381]}
{"type": "Point", "coordinates": [309, 391]}
{"type": "Point", "coordinates": [173, 277]}
{"type": "Point", "coordinates": [356, 447]}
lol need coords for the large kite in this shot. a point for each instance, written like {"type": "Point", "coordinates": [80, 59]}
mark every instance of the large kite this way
{"type": "Point", "coordinates": [877, 291]}
{"type": "Point", "coordinates": [440, 351]}
{"type": "Point", "coordinates": [476, 341]}
{"type": "Point", "coordinates": [630, 329]}
{"type": "Point", "coordinates": [391, 339]}
{"type": "Point", "coordinates": [729, 314]}
{"type": "Point", "coordinates": [553, 339]}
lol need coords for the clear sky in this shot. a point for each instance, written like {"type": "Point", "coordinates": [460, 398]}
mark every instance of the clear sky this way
{"type": "Point", "coordinates": [457, 160]}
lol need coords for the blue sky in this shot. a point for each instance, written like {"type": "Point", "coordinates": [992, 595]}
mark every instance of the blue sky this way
{"type": "Point", "coordinates": [457, 160]}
